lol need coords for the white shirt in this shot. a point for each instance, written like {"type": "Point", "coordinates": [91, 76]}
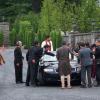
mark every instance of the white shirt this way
{"type": "Point", "coordinates": [47, 43]}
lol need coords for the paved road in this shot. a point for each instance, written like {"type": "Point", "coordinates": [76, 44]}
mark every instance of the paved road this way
{"type": "Point", "coordinates": [10, 91]}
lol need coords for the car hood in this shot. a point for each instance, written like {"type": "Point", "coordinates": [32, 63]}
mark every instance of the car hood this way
{"type": "Point", "coordinates": [52, 60]}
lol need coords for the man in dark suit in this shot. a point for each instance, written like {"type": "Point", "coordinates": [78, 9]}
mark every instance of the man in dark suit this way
{"type": "Point", "coordinates": [97, 58]}
{"type": "Point", "coordinates": [33, 55]}
{"type": "Point", "coordinates": [18, 62]}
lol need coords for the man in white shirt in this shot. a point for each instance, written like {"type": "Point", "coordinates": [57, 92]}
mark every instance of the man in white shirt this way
{"type": "Point", "coordinates": [47, 41]}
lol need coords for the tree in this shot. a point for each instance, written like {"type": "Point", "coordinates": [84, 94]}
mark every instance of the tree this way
{"type": "Point", "coordinates": [24, 33]}
{"type": "Point", "coordinates": [50, 21]}
{"type": "Point", "coordinates": [87, 13]}
{"type": "Point", "coordinates": [9, 9]}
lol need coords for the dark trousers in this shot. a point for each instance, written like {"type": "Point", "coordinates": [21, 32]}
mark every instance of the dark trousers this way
{"type": "Point", "coordinates": [33, 73]}
{"type": "Point", "coordinates": [98, 73]}
{"type": "Point", "coordinates": [28, 75]}
{"type": "Point", "coordinates": [18, 72]}
{"type": "Point", "coordinates": [85, 69]}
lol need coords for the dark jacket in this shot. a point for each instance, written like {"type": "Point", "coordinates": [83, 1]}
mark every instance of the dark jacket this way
{"type": "Point", "coordinates": [34, 53]}
{"type": "Point", "coordinates": [18, 55]}
{"type": "Point", "coordinates": [97, 52]}
{"type": "Point", "coordinates": [85, 56]}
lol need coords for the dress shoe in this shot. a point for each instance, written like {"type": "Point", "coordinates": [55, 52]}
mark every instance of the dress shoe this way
{"type": "Point", "coordinates": [22, 82]}
{"type": "Point", "coordinates": [89, 86]}
{"type": "Point", "coordinates": [27, 84]}
{"type": "Point", "coordinates": [98, 85]}
{"type": "Point", "coordinates": [83, 86]}
{"type": "Point", "coordinates": [18, 82]}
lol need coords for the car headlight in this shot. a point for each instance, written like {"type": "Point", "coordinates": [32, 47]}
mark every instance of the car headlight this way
{"type": "Point", "coordinates": [48, 70]}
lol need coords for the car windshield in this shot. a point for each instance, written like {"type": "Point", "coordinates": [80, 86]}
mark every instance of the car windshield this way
{"type": "Point", "coordinates": [50, 58]}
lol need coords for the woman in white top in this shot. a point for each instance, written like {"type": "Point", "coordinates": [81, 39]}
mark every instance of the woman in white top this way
{"type": "Point", "coordinates": [47, 41]}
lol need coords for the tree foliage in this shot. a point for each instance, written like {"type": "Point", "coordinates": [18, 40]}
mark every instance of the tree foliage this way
{"type": "Point", "coordinates": [54, 16]}
{"type": "Point", "coordinates": [9, 9]}
{"type": "Point", "coordinates": [23, 30]}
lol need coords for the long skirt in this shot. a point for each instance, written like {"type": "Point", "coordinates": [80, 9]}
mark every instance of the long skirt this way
{"type": "Point", "coordinates": [64, 68]}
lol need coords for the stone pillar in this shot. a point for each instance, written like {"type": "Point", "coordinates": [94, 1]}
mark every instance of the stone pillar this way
{"type": "Point", "coordinates": [69, 38]}
{"type": "Point", "coordinates": [4, 26]}
{"type": "Point", "coordinates": [92, 38]}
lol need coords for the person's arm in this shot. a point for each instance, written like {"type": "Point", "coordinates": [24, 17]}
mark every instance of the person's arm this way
{"type": "Point", "coordinates": [39, 53]}
{"type": "Point", "coordinates": [73, 52]}
{"type": "Point", "coordinates": [57, 55]}
{"type": "Point", "coordinates": [91, 54]}
{"type": "Point", "coordinates": [27, 55]}
{"type": "Point", "coordinates": [43, 44]}
{"type": "Point", "coordinates": [51, 46]}
{"type": "Point", "coordinates": [32, 55]}
{"type": "Point", "coordinates": [80, 57]}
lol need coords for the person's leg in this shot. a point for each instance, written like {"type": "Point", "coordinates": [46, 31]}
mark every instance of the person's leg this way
{"type": "Point", "coordinates": [36, 72]}
{"type": "Point", "coordinates": [16, 74]}
{"type": "Point", "coordinates": [20, 73]}
{"type": "Point", "coordinates": [89, 75]}
{"type": "Point", "coordinates": [28, 76]}
{"type": "Point", "coordinates": [98, 74]}
{"type": "Point", "coordinates": [32, 73]}
{"type": "Point", "coordinates": [68, 81]}
{"type": "Point", "coordinates": [35, 76]}
{"type": "Point", "coordinates": [62, 81]}
{"type": "Point", "coordinates": [83, 76]}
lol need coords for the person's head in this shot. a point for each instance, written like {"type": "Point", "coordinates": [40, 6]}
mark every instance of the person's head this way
{"type": "Point", "coordinates": [82, 44]}
{"type": "Point", "coordinates": [47, 47]}
{"type": "Point", "coordinates": [87, 44]}
{"type": "Point", "coordinates": [64, 43]}
{"type": "Point", "coordinates": [36, 43]}
{"type": "Point", "coordinates": [93, 46]}
{"type": "Point", "coordinates": [97, 42]}
{"type": "Point", "coordinates": [48, 38]}
{"type": "Point", "coordinates": [19, 43]}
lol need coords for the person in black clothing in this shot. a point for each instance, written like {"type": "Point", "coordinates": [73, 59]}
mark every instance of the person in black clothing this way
{"type": "Point", "coordinates": [35, 53]}
{"type": "Point", "coordinates": [46, 50]}
{"type": "Point", "coordinates": [18, 62]}
{"type": "Point", "coordinates": [97, 58]}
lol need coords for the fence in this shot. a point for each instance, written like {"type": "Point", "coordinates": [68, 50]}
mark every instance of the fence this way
{"type": "Point", "coordinates": [76, 37]}
{"type": "Point", "coordinates": [4, 27]}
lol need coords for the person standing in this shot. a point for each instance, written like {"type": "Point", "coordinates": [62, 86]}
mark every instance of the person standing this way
{"type": "Point", "coordinates": [64, 64]}
{"type": "Point", "coordinates": [34, 54]}
{"type": "Point", "coordinates": [97, 58]}
{"type": "Point", "coordinates": [86, 64]}
{"type": "Point", "coordinates": [93, 74]}
{"type": "Point", "coordinates": [18, 63]}
{"type": "Point", "coordinates": [47, 41]}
